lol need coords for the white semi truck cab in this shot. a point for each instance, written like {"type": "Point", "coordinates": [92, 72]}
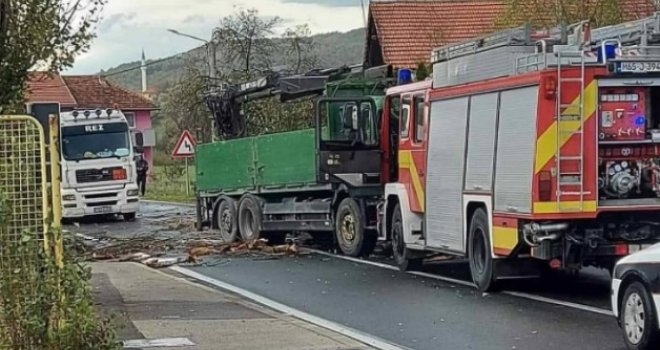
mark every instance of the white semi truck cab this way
{"type": "Point", "coordinates": [98, 164]}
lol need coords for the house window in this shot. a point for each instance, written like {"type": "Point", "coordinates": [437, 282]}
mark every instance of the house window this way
{"type": "Point", "coordinates": [130, 117]}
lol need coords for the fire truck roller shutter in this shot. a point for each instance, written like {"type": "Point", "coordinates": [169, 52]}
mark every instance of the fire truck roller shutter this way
{"type": "Point", "coordinates": [516, 139]}
{"type": "Point", "coordinates": [445, 174]}
{"type": "Point", "coordinates": [481, 143]}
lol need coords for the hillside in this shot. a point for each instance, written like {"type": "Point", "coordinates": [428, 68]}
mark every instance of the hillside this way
{"type": "Point", "coordinates": [333, 50]}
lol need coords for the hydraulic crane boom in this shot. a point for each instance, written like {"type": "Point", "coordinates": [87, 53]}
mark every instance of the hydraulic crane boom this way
{"type": "Point", "coordinates": [226, 105]}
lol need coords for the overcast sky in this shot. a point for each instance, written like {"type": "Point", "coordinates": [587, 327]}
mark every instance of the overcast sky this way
{"type": "Point", "coordinates": [131, 25]}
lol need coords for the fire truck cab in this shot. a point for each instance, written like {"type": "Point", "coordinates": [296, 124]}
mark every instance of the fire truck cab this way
{"type": "Point", "coordinates": [550, 162]}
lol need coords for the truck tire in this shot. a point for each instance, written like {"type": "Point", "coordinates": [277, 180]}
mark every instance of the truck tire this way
{"type": "Point", "coordinates": [249, 217]}
{"type": "Point", "coordinates": [638, 318]}
{"type": "Point", "coordinates": [352, 238]}
{"type": "Point", "coordinates": [479, 252]}
{"type": "Point", "coordinates": [225, 219]}
{"type": "Point", "coordinates": [129, 216]}
{"type": "Point", "coordinates": [400, 252]}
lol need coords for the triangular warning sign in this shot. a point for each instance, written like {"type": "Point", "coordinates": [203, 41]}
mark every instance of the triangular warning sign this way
{"type": "Point", "coordinates": [185, 147]}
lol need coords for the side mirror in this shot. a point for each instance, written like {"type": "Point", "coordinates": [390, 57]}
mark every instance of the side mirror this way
{"type": "Point", "coordinates": [139, 142]}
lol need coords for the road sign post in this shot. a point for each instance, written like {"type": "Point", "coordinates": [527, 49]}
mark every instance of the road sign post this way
{"type": "Point", "coordinates": [187, 178]}
{"type": "Point", "coordinates": [185, 148]}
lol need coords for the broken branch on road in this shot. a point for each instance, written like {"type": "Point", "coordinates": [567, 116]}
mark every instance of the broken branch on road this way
{"type": "Point", "coordinates": [157, 250]}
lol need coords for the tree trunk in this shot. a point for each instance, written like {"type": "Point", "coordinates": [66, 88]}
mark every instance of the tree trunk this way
{"type": "Point", "coordinates": [4, 19]}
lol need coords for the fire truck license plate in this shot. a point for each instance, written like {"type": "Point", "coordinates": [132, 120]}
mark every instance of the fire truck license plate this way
{"type": "Point", "coordinates": [640, 67]}
{"type": "Point", "coordinates": [102, 210]}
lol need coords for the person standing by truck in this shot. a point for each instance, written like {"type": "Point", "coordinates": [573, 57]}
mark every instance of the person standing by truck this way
{"type": "Point", "coordinates": [142, 167]}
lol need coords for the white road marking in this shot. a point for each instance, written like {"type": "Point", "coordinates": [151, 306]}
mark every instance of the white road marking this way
{"type": "Point", "coordinates": [568, 304]}
{"type": "Point", "coordinates": [392, 268]}
{"type": "Point", "coordinates": [533, 297]}
{"type": "Point", "coordinates": [157, 343]}
{"type": "Point", "coordinates": [362, 337]}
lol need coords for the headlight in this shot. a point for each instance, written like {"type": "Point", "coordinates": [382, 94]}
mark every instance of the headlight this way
{"type": "Point", "coordinates": [132, 193]}
{"type": "Point", "coordinates": [69, 197]}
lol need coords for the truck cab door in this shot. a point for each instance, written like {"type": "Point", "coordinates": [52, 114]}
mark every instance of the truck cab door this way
{"type": "Point", "coordinates": [348, 142]}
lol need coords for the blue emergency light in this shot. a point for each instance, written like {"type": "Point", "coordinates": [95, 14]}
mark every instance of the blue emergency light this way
{"type": "Point", "coordinates": [608, 51]}
{"type": "Point", "coordinates": [404, 76]}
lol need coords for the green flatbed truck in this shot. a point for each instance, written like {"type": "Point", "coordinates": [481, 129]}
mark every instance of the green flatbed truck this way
{"type": "Point", "coordinates": [321, 180]}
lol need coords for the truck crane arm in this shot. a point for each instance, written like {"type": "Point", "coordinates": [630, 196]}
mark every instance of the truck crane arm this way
{"type": "Point", "coordinates": [226, 104]}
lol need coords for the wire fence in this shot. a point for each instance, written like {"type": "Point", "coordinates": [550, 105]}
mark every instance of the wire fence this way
{"type": "Point", "coordinates": [22, 180]}
{"type": "Point", "coordinates": [23, 212]}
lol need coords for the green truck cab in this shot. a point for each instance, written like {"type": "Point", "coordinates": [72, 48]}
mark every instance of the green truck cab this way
{"type": "Point", "coordinates": [321, 180]}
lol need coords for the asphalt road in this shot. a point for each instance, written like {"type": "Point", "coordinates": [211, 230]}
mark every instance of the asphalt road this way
{"type": "Point", "coordinates": [412, 311]}
{"type": "Point", "coordinates": [416, 312]}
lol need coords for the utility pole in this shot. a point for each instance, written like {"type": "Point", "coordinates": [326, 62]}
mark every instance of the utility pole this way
{"type": "Point", "coordinates": [211, 60]}
{"type": "Point", "coordinates": [211, 53]}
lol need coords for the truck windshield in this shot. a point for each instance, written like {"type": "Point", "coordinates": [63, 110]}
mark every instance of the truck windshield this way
{"type": "Point", "coordinates": [349, 123]}
{"type": "Point", "coordinates": [95, 141]}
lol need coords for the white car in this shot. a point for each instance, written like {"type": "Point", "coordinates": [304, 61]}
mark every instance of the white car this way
{"type": "Point", "coordinates": [636, 297]}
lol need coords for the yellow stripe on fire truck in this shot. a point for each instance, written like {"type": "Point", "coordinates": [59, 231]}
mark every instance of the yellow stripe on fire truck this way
{"type": "Point", "coordinates": [406, 161]}
{"type": "Point", "coordinates": [546, 144]}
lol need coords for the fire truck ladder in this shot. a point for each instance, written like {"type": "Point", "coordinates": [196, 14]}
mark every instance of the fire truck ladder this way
{"type": "Point", "coordinates": [570, 126]}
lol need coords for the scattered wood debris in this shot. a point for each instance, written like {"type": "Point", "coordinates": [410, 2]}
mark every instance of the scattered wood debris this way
{"type": "Point", "coordinates": [159, 251]}
{"type": "Point", "coordinates": [238, 248]}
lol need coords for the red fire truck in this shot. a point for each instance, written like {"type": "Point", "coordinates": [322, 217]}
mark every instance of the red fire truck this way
{"type": "Point", "coordinates": [528, 150]}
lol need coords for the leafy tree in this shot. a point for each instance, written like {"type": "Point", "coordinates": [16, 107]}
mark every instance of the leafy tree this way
{"type": "Point", "coordinates": [41, 33]}
{"type": "Point", "coordinates": [299, 47]}
{"type": "Point", "coordinates": [422, 72]}
{"type": "Point", "coordinates": [244, 39]}
{"type": "Point", "coordinates": [183, 108]}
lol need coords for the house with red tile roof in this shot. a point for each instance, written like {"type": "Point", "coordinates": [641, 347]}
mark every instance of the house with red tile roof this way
{"type": "Point", "coordinates": [92, 92]}
{"type": "Point", "coordinates": [404, 32]}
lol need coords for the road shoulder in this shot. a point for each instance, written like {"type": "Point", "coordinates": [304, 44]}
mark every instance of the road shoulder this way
{"type": "Point", "coordinates": [154, 305]}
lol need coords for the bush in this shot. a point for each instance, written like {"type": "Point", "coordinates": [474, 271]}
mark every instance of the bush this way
{"type": "Point", "coordinates": [43, 306]}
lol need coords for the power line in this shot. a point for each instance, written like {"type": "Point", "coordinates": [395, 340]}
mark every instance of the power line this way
{"type": "Point", "coordinates": [140, 66]}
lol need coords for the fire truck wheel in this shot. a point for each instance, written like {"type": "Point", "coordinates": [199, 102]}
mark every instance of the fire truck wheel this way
{"type": "Point", "coordinates": [479, 253]}
{"type": "Point", "coordinates": [249, 217]}
{"type": "Point", "coordinates": [638, 318]}
{"type": "Point", "coordinates": [401, 254]}
{"type": "Point", "coordinates": [225, 218]}
{"type": "Point", "coordinates": [349, 229]}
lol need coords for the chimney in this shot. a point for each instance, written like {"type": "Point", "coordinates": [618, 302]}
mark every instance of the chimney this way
{"type": "Point", "coordinates": [144, 73]}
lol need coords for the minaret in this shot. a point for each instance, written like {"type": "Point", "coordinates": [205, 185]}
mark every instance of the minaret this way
{"type": "Point", "coordinates": [144, 73]}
